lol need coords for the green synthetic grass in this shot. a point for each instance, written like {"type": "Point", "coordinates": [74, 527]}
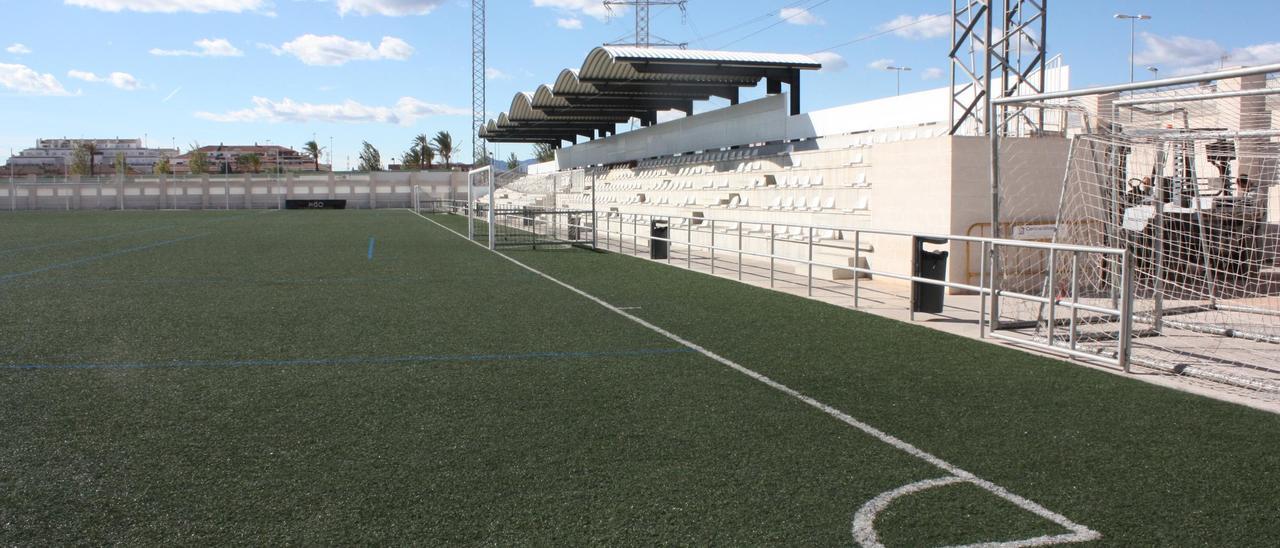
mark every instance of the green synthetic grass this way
{"type": "Point", "coordinates": [252, 377]}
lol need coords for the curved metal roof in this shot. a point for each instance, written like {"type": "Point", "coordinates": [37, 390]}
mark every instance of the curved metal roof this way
{"type": "Point", "coordinates": [616, 84]}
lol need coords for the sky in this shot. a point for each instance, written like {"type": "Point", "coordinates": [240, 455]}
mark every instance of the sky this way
{"type": "Point", "coordinates": [181, 72]}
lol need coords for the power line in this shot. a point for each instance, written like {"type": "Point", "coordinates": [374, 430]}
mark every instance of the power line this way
{"type": "Point", "coordinates": [883, 32]}
{"type": "Point", "coordinates": [778, 22]}
{"type": "Point", "coordinates": [766, 15]}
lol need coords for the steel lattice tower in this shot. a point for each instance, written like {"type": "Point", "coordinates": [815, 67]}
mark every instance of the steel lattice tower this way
{"type": "Point", "coordinates": [643, 38]}
{"type": "Point", "coordinates": [1017, 56]}
{"type": "Point", "coordinates": [477, 80]}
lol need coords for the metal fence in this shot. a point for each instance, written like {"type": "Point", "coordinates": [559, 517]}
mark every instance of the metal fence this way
{"type": "Point", "coordinates": [834, 262]}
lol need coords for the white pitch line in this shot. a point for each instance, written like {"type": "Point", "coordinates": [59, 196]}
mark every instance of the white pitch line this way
{"type": "Point", "coordinates": [1079, 532]}
{"type": "Point", "coordinates": [864, 521]}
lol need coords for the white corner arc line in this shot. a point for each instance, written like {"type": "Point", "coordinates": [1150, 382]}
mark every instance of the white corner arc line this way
{"type": "Point", "coordinates": [864, 520]}
{"type": "Point", "coordinates": [1079, 532]}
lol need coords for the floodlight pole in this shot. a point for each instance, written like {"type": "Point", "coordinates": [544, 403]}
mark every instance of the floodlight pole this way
{"type": "Point", "coordinates": [1133, 36]}
{"type": "Point", "coordinates": [898, 71]}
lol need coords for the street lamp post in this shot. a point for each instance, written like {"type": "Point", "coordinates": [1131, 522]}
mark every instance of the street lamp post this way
{"type": "Point", "coordinates": [1133, 35]}
{"type": "Point", "coordinates": [898, 72]}
{"type": "Point", "coordinates": [1155, 72]}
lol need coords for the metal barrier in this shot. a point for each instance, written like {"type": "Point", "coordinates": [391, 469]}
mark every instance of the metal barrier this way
{"type": "Point", "coordinates": [757, 252]}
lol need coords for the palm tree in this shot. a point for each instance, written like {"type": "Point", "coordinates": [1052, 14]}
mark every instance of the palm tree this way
{"type": "Point", "coordinates": [314, 150]}
{"type": "Point", "coordinates": [443, 143]}
{"type": "Point", "coordinates": [412, 159]}
{"type": "Point", "coordinates": [544, 152]}
{"type": "Point", "coordinates": [251, 162]}
{"type": "Point", "coordinates": [513, 162]}
{"type": "Point", "coordinates": [427, 155]}
{"type": "Point", "coordinates": [423, 144]}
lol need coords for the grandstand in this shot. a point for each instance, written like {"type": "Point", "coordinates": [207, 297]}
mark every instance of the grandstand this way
{"type": "Point", "coordinates": [852, 192]}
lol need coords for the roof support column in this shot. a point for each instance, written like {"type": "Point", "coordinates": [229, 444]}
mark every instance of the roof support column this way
{"type": "Point", "coordinates": [773, 86]}
{"type": "Point", "coordinates": [795, 91]}
{"type": "Point", "coordinates": [735, 96]}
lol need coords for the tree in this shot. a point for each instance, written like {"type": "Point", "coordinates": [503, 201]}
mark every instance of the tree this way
{"type": "Point", "coordinates": [485, 160]}
{"type": "Point", "coordinates": [427, 155]}
{"type": "Point", "coordinates": [443, 143]}
{"type": "Point", "coordinates": [92, 150]}
{"type": "Point", "coordinates": [197, 160]}
{"type": "Point", "coordinates": [314, 150]}
{"type": "Point", "coordinates": [513, 162]}
{"type": "Point", "coordinates": [122, 166]}
{"type": "Point", "coordinates": [162, 167]}
{"type": "Point", "coordinates": [544, 152]}
{"type": "Point", "coordinates": [81, 161]}
{"type": "Point", "coordinates": [423, 144]}
{"type": "Point", "coordinates": [370, 158]}
{"type": "Point", "coordinates": [412, 159]}
{"type": "Point", "coordinates": [251, 162]}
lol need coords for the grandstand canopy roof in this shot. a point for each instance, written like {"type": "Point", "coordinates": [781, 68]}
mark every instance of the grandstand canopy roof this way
{"type": "Point", "coordinates": [616, 84]}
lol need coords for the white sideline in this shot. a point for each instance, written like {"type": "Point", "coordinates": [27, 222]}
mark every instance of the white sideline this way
{"type": "Point", "coordinates": [1079, 533]}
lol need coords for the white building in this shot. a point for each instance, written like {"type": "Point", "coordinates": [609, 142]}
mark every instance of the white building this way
{"type": "Point", "coordinates": [56, 155]}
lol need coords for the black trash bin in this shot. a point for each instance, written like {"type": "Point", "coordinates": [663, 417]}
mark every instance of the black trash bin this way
{"type": "Point", "coordinates": [659, 249]}
{"type": "Point", "coordinates": [928, 298]}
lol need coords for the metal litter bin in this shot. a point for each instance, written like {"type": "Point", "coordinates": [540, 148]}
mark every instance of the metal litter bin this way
{"type": "Point", "coordinates": [925, 297]}
{"type": "Point", "coordinates": [659, 249]}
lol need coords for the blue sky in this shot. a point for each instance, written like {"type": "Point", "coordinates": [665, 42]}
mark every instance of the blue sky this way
{"type": "Point", "coordinates": [242, 71]}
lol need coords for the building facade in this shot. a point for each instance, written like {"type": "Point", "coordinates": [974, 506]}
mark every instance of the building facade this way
{"type": "Point", "coordinates": [227, 159]}
{"type": "Point", "coordinates": [55, 156]}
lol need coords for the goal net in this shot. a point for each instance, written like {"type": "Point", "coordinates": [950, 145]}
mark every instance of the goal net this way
{"type": "Point", "coordinates": [1186, 178]}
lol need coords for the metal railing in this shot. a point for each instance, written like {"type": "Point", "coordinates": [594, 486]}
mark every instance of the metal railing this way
{"type": "Point", "coordinates": [763, 251]}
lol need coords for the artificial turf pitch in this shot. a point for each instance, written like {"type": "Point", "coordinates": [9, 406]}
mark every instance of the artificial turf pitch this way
{"type": "Point", "coordinates": [254, 377]}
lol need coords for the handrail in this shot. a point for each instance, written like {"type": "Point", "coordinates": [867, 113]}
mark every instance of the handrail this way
{"type": "Point", "coordinates": [1136, 86]}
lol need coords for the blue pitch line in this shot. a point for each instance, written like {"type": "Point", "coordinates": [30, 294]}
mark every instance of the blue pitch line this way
{"type": "Point", "coordinates": [370, 248]}
{"type": "Point", "coordinates": [82, 240]}
{"type": "Point", "coordinates": [5, 278]}
{"type": "Point", "coordinates": [358, 360]}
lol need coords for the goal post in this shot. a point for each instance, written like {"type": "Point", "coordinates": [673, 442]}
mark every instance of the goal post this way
{"type": "Point", "coordinates": [1183, 174]}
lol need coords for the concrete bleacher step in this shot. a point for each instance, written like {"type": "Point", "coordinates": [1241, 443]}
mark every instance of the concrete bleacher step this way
{"type": "Point", "coordinates": [832, 273]}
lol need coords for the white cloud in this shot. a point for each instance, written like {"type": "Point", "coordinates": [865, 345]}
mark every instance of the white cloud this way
{"type": "Point", "coordinates": [392, 8]}
{"type": "Point", "coordinates": [800, 16]}
{"type": "Point", "coordinates": [406, 111]}
{"type": "Point", "coordinates": [1186, 55]}
{"type": "Point", "coordinates": [119, 80]}
{"type": "Point", "coordinates": [26, 81]}
{"type": "Point", "coordinates": [831, 61]}
{"type": "Point", "coordinates": [208, 47]}
{"type": "Point", "coordinates": [569, 23]}
{"type": "Point", "coordinates": [171, 6]}
{"type": "Point", "coordinates": [171, 94]}
{"type": "Point", "coordinates": [18, 49]}
{"type": "Point", "coordinates": [333, 50]}
{"type": "Point", "coordinates": [880, 64]}
{"type": "Point", "coordinates": [932, 73]}
{"type": "Point", "coordinates": [495, 74]}
{"type": "Point", "coordinates": [918, 27]}
{"type": "Point", "coordinates": [590, 8]}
